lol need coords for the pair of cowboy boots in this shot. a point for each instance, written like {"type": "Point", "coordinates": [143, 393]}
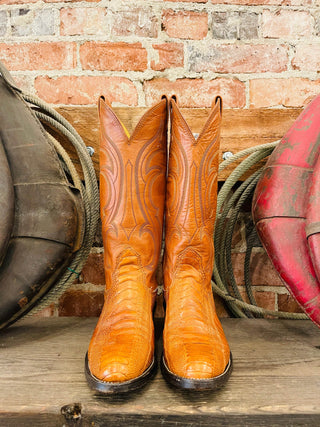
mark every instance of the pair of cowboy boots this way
{"type": "Point", "coordinates": [139, 186]}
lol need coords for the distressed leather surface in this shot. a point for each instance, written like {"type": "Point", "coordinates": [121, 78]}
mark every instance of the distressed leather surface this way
{"type": "Point", "coordinates": [285, 208]}
{"type": "Point", "coordinates": [132, 191]}
{"type": "Point", "coordinates": [48, 210]}
{"type": "Point", "coordinates": [6, 203]}
{"type": "Point", "coordinates": [194, 342]}
{"type": "Point", "coordinates": [313, 215]}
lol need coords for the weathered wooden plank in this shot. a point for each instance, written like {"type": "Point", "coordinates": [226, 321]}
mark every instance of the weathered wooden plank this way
{"type": "Point", "coordinates": [125, 420]}
{"type": "Point", "coordinates": [276, 378]}
{"type": "Point", "coordinates": [240, 128]}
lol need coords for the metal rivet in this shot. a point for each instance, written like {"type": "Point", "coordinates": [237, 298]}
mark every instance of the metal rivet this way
{"type": "Point", "coordinates": [227, 154]}
{"type": "Point", "coordinates": [90, 151]}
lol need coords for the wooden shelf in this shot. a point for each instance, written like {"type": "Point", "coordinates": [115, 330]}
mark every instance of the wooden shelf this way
{"type": "Point", "coordinates": [276, 379]}
{"type": "Point", "coordinates": [240, 128]}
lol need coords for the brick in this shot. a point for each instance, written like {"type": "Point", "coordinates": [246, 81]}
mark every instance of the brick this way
{"type": "Point", "coordinates": [93, 271]}
{"type": "Point", "coordinates": [159, 309]}
{"type": "Point", "coordinates": [197, 92]}
{"type": "Point", "coordinates": [286, 23]}
{"type": "Point", "coordinates": [81, 303]}
{"type": "Point", "coordinates": [18, 1]}
{"type": "Point", "coordinates": [235, 25]}
{"type": "Point", "coordinates": [3, 22]}
{"type": "Point", "coordinates": [71, 1]}
{"type": "Point", "coordinates": [83, 90]}
{"type": "Point", "coordinates": [39, 56]}
{"type": "Point", "coordinates": [237, 267]}
{"type": "Point", "coordinates": [113, 56]}
{"type": "Point", "coordinates": [238, 237]}
{"type": "Point", "coordinates": [46, 1]}
{"type": "Point", "coordinates": [170, 55]}
{"type": "Point", "coordinates": [242, 58]}
{"type": "Point", "coordinates": [189, 1]}
{"type": "Point", "coordinates": [139, 21]}
{"type": "Point", "coordinates": [98, 237]}
{"type": "Point", "coordinates": [317, 22]}
{"type": "Point", "coordinates": [24, 82]}
{"type": "Point", "coordinates": [262, 272]}
{"type": "Point", "coordinates": [46, 312]}
{"type": "Point", "coordinates": [264, 298]}
{"type": "Point", "coordinates": [264, 2]}
{"type": "Point", "coordinates": [288, 303]}
{"type": "Point", "coordinates": [82, 20]}
{"type": "Point", "coordinates": [159, 272]}
{"type": "Point", "coordinates": [185, 24]}
{"type": "Point", "coordinates": [307, 57]}
{"type": "Point", "coordinates": [221, 307]}
{"type": "Point", "coordinates": [28, 22]}
{"type": "Point", "coordinates": [289, 92]}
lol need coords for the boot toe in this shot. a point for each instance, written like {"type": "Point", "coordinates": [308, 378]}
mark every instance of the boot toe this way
{"type": "Point", "coordinates": [115, 372]}
{"type": "Point", "coordinates": [199, 370]}
{"type": "Point", "coordinates": [197, 360]}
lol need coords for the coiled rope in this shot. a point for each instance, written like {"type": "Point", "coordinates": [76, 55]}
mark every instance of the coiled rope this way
{"type": "Point", "coordinates": [88, 189]}
{"type": "Point", "coordinates": [230, 201]}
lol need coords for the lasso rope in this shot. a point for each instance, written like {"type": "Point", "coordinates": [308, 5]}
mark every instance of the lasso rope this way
{"type": "Point", "coordinates": [229, 204]}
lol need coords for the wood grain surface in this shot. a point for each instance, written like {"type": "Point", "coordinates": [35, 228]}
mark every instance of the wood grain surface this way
{"type": "Point", "coordinates": [240, 128]}
{"type": "Point", "coordinates": [276, 379]}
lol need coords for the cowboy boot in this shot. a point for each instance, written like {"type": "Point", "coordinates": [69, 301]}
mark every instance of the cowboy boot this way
{"type": "Point", "coordinates": [132, 190]}
{"type": "Point", "coordinates": [196, 353]}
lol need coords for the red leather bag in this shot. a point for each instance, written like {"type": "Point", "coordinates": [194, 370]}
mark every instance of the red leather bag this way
{"type": "Point", "coordinates": [285, 209]}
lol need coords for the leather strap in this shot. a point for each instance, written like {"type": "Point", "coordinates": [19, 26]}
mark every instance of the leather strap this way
{"type": "Point", "coordinates": [8, 77]}
{"type": "Point", "coordinates": [313, 228]}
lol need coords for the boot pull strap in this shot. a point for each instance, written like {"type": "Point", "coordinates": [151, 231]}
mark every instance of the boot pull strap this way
{"type": "Point", "coordinates": [7, 77]}
{"type": "Point", "coordinates": [105, 100]}
{"type": "Point", "coordinates": [174, 98]}
{"type": "Point", "coordinates": [218, 100]}
{"type": "Point", "coordinates": [167, 103]}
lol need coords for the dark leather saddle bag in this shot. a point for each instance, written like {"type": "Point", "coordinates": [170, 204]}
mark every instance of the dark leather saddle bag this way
{"type": "Point", "coordinates": [41, 211]}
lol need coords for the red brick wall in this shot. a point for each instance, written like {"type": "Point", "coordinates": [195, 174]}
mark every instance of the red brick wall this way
{"type": "Point", "coordinates": [259, 53]}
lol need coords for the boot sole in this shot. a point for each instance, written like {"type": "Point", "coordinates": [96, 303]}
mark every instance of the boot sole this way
{"type": "Point", "coordinates": [207, 384]}
{"type": "Point", "coordinates": [112, 388]}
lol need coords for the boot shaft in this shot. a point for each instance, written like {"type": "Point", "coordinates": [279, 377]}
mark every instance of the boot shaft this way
{"type": "Point", "coordinates": [191, 197]}
{"type": "Point", "coordinates": [132, 192]}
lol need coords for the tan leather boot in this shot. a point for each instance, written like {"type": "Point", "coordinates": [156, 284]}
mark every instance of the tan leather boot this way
{"type": "Point", "coordinates": [196, 353]}
{"type": "Point", "coordinates": [132, 190]}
